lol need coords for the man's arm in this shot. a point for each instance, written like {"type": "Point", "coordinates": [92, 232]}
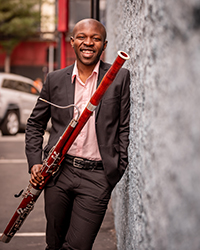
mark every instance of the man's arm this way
{"type": "Point", "coordinates": [35, 129]}
{"type": "Point", "coordinates": [124, 122]}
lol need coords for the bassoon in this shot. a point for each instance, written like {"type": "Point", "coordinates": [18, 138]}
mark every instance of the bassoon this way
{"type": "Point", "coordinates": [57, 154]}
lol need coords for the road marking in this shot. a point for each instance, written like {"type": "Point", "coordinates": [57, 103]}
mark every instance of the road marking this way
{"type": "Point", "coordinates": [20, 137]}
{"type": "Point", "coordinates": [3, 161]}
{"type": "Point", "coordinates": [30, 234]}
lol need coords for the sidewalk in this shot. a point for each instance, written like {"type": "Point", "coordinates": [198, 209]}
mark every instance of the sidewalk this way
{"type": "Point", "coordinates": [106, 238]}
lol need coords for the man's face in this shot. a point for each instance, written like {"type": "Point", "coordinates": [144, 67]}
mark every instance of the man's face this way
{"type": "Point", "coordinates": [88, 42]}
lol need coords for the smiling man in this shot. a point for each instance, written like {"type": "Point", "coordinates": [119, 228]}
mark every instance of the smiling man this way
{"type": "Point", "coordinates": [88, 42]}
{"type": "Point", "coordinates": [76, 198]}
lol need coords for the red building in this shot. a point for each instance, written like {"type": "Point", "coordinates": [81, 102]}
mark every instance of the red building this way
{"type": "Point", "coordinates": [31, 58]}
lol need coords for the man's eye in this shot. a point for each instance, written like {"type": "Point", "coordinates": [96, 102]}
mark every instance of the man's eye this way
{"type": "Point", "coordinates": [81, 37]}
{"type": "Point", "coordinates": [97, 39]}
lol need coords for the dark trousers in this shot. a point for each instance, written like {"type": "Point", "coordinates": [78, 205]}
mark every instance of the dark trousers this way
{"type": "Point", "coordinates": [75, 207]}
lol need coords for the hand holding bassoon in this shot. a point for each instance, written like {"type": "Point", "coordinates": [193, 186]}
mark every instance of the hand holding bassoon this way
{"type": "Point", "coordinates": [36, 176]}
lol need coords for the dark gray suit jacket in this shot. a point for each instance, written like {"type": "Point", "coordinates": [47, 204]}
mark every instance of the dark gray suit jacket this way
{"type": "Point", "coordinates": [112, 119]}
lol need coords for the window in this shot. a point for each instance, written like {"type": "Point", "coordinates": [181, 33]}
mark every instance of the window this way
{"type": "Point", "coordinates": [9, 84]}
{"type": "Point", "coordinates": [20, 86]}
{"type": "Point", "coordinates": [79, 9]}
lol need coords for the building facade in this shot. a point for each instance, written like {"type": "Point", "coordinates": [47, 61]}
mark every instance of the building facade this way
{"type": "Point", "coordinates": [157, 202]}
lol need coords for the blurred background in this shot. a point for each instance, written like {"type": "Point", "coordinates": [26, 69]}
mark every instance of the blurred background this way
{"type": "Point", "coordinates": [35, 40]}
{"type": "Point", "coordinates": [31, 33]}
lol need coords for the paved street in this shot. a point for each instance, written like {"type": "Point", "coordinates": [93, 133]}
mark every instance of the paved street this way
{"type": "Point", "coordinates": [14, 178]}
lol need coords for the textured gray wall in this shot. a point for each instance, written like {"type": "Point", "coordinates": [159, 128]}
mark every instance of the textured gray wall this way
{"type": "Point", "coordinates": [157, 203]}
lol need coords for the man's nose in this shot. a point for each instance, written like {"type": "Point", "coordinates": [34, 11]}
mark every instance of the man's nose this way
{"type": "Point", "coordinates": [88, 41]}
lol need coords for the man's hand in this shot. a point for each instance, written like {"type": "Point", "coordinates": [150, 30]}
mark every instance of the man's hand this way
{"type": "Point", "coordinates": [36, 177]}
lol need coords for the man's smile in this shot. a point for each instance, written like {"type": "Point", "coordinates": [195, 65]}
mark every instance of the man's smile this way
{"type": "Point", "coordinates": [87, 52]}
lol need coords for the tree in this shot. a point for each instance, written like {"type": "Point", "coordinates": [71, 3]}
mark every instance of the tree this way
{"type": "Point", "coordinates": [19, 20]}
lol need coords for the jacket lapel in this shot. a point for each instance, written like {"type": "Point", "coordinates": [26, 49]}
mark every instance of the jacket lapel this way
{"type": "Point", "coordinates": [70, 89]}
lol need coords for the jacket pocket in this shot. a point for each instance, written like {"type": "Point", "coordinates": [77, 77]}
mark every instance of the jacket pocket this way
{"type": "Point", "coordinates": [113, 99]}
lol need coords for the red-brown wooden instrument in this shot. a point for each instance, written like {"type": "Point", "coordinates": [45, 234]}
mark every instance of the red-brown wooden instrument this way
{"type": "Point", "coordinates": [56, 155]}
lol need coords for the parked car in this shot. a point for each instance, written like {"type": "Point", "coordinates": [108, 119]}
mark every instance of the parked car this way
{"type": "Point", "coordinates": [18, 96]}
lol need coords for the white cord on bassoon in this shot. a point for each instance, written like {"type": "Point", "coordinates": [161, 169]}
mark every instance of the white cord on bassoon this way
{"type": "Point", "coordinates": [62, 107]}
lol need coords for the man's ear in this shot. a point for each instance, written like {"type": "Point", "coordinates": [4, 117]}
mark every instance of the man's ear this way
{"type": "Point", "coordinates": [105, 45]}
{"type": "Point", "coordinates": [72, 41]}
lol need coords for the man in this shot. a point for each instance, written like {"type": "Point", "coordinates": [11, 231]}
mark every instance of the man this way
{"type": "Point", "coordinates": [76, 198]}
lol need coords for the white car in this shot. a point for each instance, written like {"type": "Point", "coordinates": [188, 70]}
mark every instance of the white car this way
{"type": "Point", "coordinates": [18, 96]}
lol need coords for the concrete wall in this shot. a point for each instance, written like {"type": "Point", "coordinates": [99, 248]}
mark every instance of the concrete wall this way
{"type": "Point", "coordinates": [157, 203]}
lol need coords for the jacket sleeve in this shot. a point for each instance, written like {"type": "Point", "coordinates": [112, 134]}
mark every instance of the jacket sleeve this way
{"type": "Point", "coordinates": [36, 126]}
{"type": "Point", "coordinates": [124, 123]}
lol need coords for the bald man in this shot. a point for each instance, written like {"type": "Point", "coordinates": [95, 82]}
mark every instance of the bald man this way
{"type": "Point", "coordinates": [76, 198]}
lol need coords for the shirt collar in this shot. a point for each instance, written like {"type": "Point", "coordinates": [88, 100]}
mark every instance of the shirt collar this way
{"type": "Point", "coordinates": [75, 70]}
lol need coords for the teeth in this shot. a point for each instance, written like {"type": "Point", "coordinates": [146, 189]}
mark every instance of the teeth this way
{"type": "Point", "coordinates": [88, 51]}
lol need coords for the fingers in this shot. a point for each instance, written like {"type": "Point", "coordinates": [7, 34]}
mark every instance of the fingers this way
{"type": "Point", "coordinates": [36, 177]}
